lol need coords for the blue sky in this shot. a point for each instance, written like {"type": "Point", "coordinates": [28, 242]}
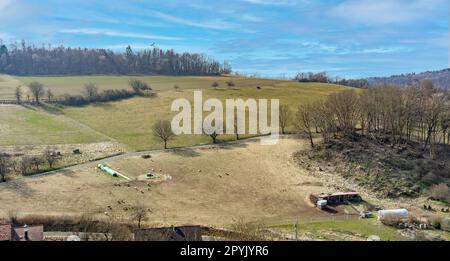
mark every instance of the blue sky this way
{"type": "Point", "coordinates": [347, 38]}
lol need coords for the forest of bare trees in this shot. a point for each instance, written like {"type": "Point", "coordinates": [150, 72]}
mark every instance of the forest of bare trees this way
{"type": "Point", "coordinates": [23, 59]}
{"type": "Point", "coordinates": [391, 115]}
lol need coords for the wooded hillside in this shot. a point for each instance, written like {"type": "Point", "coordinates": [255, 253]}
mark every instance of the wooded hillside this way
{"type": "Point", "coordinates": [23, 59]}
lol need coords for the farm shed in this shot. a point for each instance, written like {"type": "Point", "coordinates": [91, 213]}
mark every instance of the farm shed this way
{"type": "Point", "coordinates": [337, 198]}
{"type": "Point", "coordinates": [21, 233]}
{"type": "Point", "coordinates": [183, 233]}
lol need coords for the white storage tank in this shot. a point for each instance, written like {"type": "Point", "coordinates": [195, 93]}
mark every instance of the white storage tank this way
{"type": "Point", "coordinates": [394, 213]}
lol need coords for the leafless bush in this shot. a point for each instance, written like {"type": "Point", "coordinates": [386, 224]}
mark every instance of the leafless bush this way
{"type": "Point", "coordinates": [440, 192]}
{"type": "Point", "coordinates": [243, 231]}
{"type": "Point", "coordinates": [12, 215]}
{"type": "Point", "coordinates": [392, 221]}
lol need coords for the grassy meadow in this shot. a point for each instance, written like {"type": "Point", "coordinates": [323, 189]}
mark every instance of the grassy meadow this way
{"type": "Point", "coordinates": [31, 126]}
{"type": "Point", "coordinates": [129, 121]}
{"type": "Point", "coordinates": [340, 229]}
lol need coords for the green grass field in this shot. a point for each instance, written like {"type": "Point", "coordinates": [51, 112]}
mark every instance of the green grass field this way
{"type": "Point", "coordinates": [31, 126]}
{"type": "Point", "coordinates": [8, 85]}
{"type": "Point", "coordinates": [129, 121]}
{"type": "Point", "coordinates": [75, 84]}
{"type": "Point", "coordinates": [357, 227]}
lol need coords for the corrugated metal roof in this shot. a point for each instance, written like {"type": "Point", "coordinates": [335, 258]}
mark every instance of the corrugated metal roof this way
{"type": "Point", "coordinates": [5, 232]}
{"type": "Point", "coordinates": [339, 194]}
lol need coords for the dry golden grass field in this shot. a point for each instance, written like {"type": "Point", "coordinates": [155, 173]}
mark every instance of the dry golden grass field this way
{"type": "Point", "coordinates": [208, 185]}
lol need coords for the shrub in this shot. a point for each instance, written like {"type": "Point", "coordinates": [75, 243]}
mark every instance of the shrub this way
{"type": "Point", "coordinates": [440, 192]}
{"type": "Point", "coordinates": [392, 221]}
{"type": "Point", "coordinates": [139, 87]}
{"type": "Point", "coordinates": [243, 231]}
{"type": "Point", "coordinates": [436, 222]}
{"type": "Point", "coordinates": [215, 84]}
{"type": "Point", "coordinates": [430, 179]}
{"type": "Point", "coordinates": [231, 84]}
{"type": "Point", "coordinates": [105, 96]}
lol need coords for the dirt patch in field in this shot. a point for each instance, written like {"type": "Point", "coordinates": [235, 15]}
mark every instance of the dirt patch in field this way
{"type": "Point", "coordinates": [216, 187]}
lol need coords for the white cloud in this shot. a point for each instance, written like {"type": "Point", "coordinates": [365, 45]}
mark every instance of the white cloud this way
{"type": "Point", "coordinates": [272, 2]}
{"type": "Point", "coordinates": [6, 36]}
{"type": "Point", "coordinates": [210, 24]}
{"type": "Point", "coordinates": [251, 18]}
{"type": "Point", "coordinates": [319, 46]}
{"type": "Point", "coordinates": [4, 4]}
{"type": "Point", "coordinates": [385, 11]}
{"type": "Point", "coordinates": [94, 31]}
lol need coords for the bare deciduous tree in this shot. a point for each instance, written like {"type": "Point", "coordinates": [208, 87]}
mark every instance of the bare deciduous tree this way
{"type": "Point", "coordinates": [19, 94]}
{"type": "Point", "coordinates": [37, 162]}
{"type": "Point", "coordinates": [163, 131]}
{"type": "Point", "coordinates": [51, 157]}
{"type": "Point", "coordinates": [114, 229]}
{"type": "Point", "coordinates": [91, 90]}
{"type": "Point", "coordinates": [214, 136]}
{"type": "Point", "coordinates": [139, 214]}
{"type": "Point", "coordinates": [50, 95]}
{"type": "Point", "coordinates": [304, 121]}
{"type": "Point", "coordinates": [285, 117]}
{"type": "Point", "coordinates": [5, 163]}
{"type": "Point", "coordinates": [346, 109]}
{"type": "Point", "coordinates": [25, 165]}
{"type": "Point", "coordinates": [37, 90]}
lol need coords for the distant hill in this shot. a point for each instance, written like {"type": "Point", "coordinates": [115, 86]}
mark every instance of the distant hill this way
{"type": "Point", "coordinates": [440, 79]}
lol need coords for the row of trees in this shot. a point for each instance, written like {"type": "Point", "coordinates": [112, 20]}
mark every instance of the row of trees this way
{"type": "Point", "coordinates": [23, 59]}
{"type": "Point", "coordinates": [420, 113]}
{"type": "Point", "coordinates": [323, 77]}
{"type": "Point", "coordinates": [91, 94]}
{"type": "Point", "coordinates": [27, 164]}
{"type": "Point", "coordinates": [162, 130]}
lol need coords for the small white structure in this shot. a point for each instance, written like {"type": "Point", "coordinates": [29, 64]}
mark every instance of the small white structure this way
{"type": "Point", "coordinates": [73, 238]}
{"type": "Point", "coordinates": [374, 238]}
{"type": "Point", "coordinates": [322, 204]}
{"type": "Point", "coordinates": [393, 213]}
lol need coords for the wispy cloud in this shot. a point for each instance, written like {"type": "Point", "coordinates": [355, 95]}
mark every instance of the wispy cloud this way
{"type": "Point", "coordinates": [383, 12]}
{"type": "Point", "coordinates": [94, 31]}
{"type": "Point", "coordinates": [6, 36]}
{"type": "Point", "coordinates": [209, 24]}
{"type": "Point", "coordinates": [4, 4]}
{"type": "Point", "coordinates": [252, 18]}
{"type": "Point", "coordinates": [271, 2]}
{"type": "Point", "coordinates": [363, 37]}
